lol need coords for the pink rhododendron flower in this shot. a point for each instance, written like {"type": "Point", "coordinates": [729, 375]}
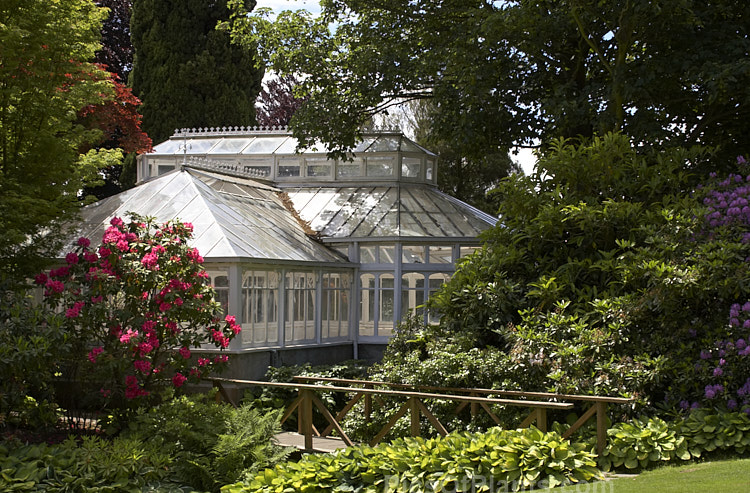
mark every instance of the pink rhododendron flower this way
{"type": "Point", "coordinates": [163, 307]}
{"type": "Point", "coordinates": [59, 272]}
{"type": "Point", "coordinates": [75, 310]}
{"type": "Point", "coordinates": [96, 299]}
{"type": "Point", "coordinates": [104, 252]}
{"type": "Point", "coordinates": [71, 258]}
{"type": "Point", "coordinates": [94, 353]}
{"type": "Point", "coordinates": [145, 348]}
{"type": "Point", "coordinates": [203, 361]}
{"type": "Point", "coordinates": [40, 278]}
{"type": "Point", "coordinates": [178, 379]}
{"type": "Point", "coordinates": [84, 242]}
{"type": "Point", "coordinates": [185, 352]}
{"type": "Point", "coordinates": [222, 358]}
{"type": "Point", "coordinates": [142, 365]}
{"type": "Point", "coordinates": [230, 319]}
{"type": "Point", "coordinates": [127, 336]}
{"type": "Point", "coordinates": [116, 221]}
{"type": "Point", "coordinates": [150, 261]}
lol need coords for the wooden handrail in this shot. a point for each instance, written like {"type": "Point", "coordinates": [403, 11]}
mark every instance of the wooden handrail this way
{"type": "Point", "coordinates": [468, 390]}
{"type": "Point", "coordinates": [400, 393]}
{"type": "Point", "coordinates": [307, 400]}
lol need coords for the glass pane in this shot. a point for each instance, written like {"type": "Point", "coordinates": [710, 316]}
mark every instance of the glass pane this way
{"type": "Point", "coordinates": [412, 292]}
{"type": "Point", "coordinates": [441, 254]}
{"type": "Point", "coordinates": [364, 144]}
{"type": "Point", "coordinates": [349, 169]}
{"type": "Point", "coordinates": [289, 146]}
{"type": "Point", "coordinates": [387, 254]}
{"type": "Point", "coordinates": [411, 167]}
{"type": "Point", "coordinates": [165, 168]}
{"type": "Point", "coordinates": [429, 167]}
{"type": "Point", "coordinates": [385, 144]}
{"type": "Point", "coordinates": [264, 145]}
{"type": "Point", "coordinates": [230, 146]}
{"type": "Point", "coordinates": [367, 254]}
{"type": "Point", "coordinates": [220, 283]}
{"type": "Point", "coordinates": [169, 147]}
{"type": "Point", "coordinates": [367, 305]}
{"type": "Point", "coordinates": [386, 299]}
{"type": "Point", "coordinates": [318, 167]}
{"type": "Point", "coordinates": [380, 166]}
{"type": "Point", "coordinates": [288, 168]}
{"type": "Point", "coordinates": [200, 146]}
{"type": "Point", "coordinates": [412, 254]}
{"type": "Point", "coordinates": [468, 250]}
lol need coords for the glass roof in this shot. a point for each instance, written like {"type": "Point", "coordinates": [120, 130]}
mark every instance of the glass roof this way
{"type": "Point", "coordinates": [277, 141]}
{"type": "Point", "coordinates": [368, 212]}
{"type": "Point", "coordinates": [232, 217]}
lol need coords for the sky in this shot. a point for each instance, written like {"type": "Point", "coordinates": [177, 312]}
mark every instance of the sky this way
{"type": "Point", "coordinates": [278, 5]}
{"type": "Point", "coordinates": [524, 157]}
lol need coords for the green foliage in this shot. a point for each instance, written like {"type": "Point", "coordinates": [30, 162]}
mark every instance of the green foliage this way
{"type": "Point", "coordinates": [710, 430]}
{"type": "Point", "coordinates": [91, 465]}
{"type": "Point", "coordinates": [46, 81]}
{"type": "Point", "coordinates": [506, 73]}
{"type": "Point", "coordinates": [605, 276]}
{"type": "Point", "coordinates": [210, 443]}
{"type": "Point", "coordinates": [33, 342]}
{"type": "Point", "coordinates": [186, 72]}
{"type": "Point", "coordinates": [642, 442]}
{"type": "Point", "coordinates": [280, 398]}
{"type": "Point", "coordinates": [515, 460]}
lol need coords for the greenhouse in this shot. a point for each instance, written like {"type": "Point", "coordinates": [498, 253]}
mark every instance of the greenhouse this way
{"type": "Point", "coordinates": [318, 259]}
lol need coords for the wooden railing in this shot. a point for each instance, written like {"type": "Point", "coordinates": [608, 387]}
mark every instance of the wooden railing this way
{"type": "Point", "coordinates": [598, 403]}
{"type": "Point", "coordinates": [475, 398]}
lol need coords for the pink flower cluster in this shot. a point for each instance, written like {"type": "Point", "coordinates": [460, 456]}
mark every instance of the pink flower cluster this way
{"type": "Point", "coordinates": [132, 313]}
{"type": "Point", "coordinates": [94, 353]}
{"type": "Point", "coordinates": [133, 388]}
{"type": "Point", "coordinates": [75, 310]}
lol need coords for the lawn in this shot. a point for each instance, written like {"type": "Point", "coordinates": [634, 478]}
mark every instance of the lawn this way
{"type": "Point", "coordinates": [730, 475]}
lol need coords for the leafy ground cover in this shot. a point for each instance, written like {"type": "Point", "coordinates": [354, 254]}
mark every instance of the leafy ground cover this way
{"type": "Point", "coordinates": [729, 475]}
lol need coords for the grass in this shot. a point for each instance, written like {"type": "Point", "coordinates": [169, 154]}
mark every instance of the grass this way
{"type": "Point", "coordinates": [720, 476]}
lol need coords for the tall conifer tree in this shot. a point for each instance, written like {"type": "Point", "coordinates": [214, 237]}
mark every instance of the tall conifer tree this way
{"type": "Point", "coordinates": [186, 72]}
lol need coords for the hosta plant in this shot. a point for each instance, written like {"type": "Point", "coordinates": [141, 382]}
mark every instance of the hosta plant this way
{"type": "Point", "coordinates": [642, 442]}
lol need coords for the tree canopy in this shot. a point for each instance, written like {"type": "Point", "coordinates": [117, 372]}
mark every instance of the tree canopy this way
{"type": "Point", "coordinates": [186, 72]}
{"type": "Point", "coordinates": [45, 81]}
{"type": "Point", "coordinates": [277, 102]}
{"type": "Point", "coordinates": [116, 51]}
{"type": "Point", "coordinates": [508, 73]}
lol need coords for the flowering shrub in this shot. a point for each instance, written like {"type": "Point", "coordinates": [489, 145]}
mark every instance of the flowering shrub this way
{"type": "Point", "coordinates": [724, 366]}
{"type": "Point", "coordinates": [136, 305]}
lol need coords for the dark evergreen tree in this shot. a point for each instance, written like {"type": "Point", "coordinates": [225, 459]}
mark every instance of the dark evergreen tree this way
{"type": "Point", "coordinates": [186, 72]}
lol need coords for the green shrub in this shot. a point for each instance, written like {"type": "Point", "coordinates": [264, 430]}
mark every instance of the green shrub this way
{"type": "Point", "coordinates": [280, 398]}
{"type": "Point", "coordinates": [638, 444]}
{"type": "Point", "coordinates": [32, 344]}
{"type": "Point", "coordinates": [211, 443]}
{"type": "Point", "coordinates": [512, 459]}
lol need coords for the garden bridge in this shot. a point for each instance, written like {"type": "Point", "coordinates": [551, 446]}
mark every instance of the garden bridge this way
{"type": "Point", "coordinates": [309, 438]}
